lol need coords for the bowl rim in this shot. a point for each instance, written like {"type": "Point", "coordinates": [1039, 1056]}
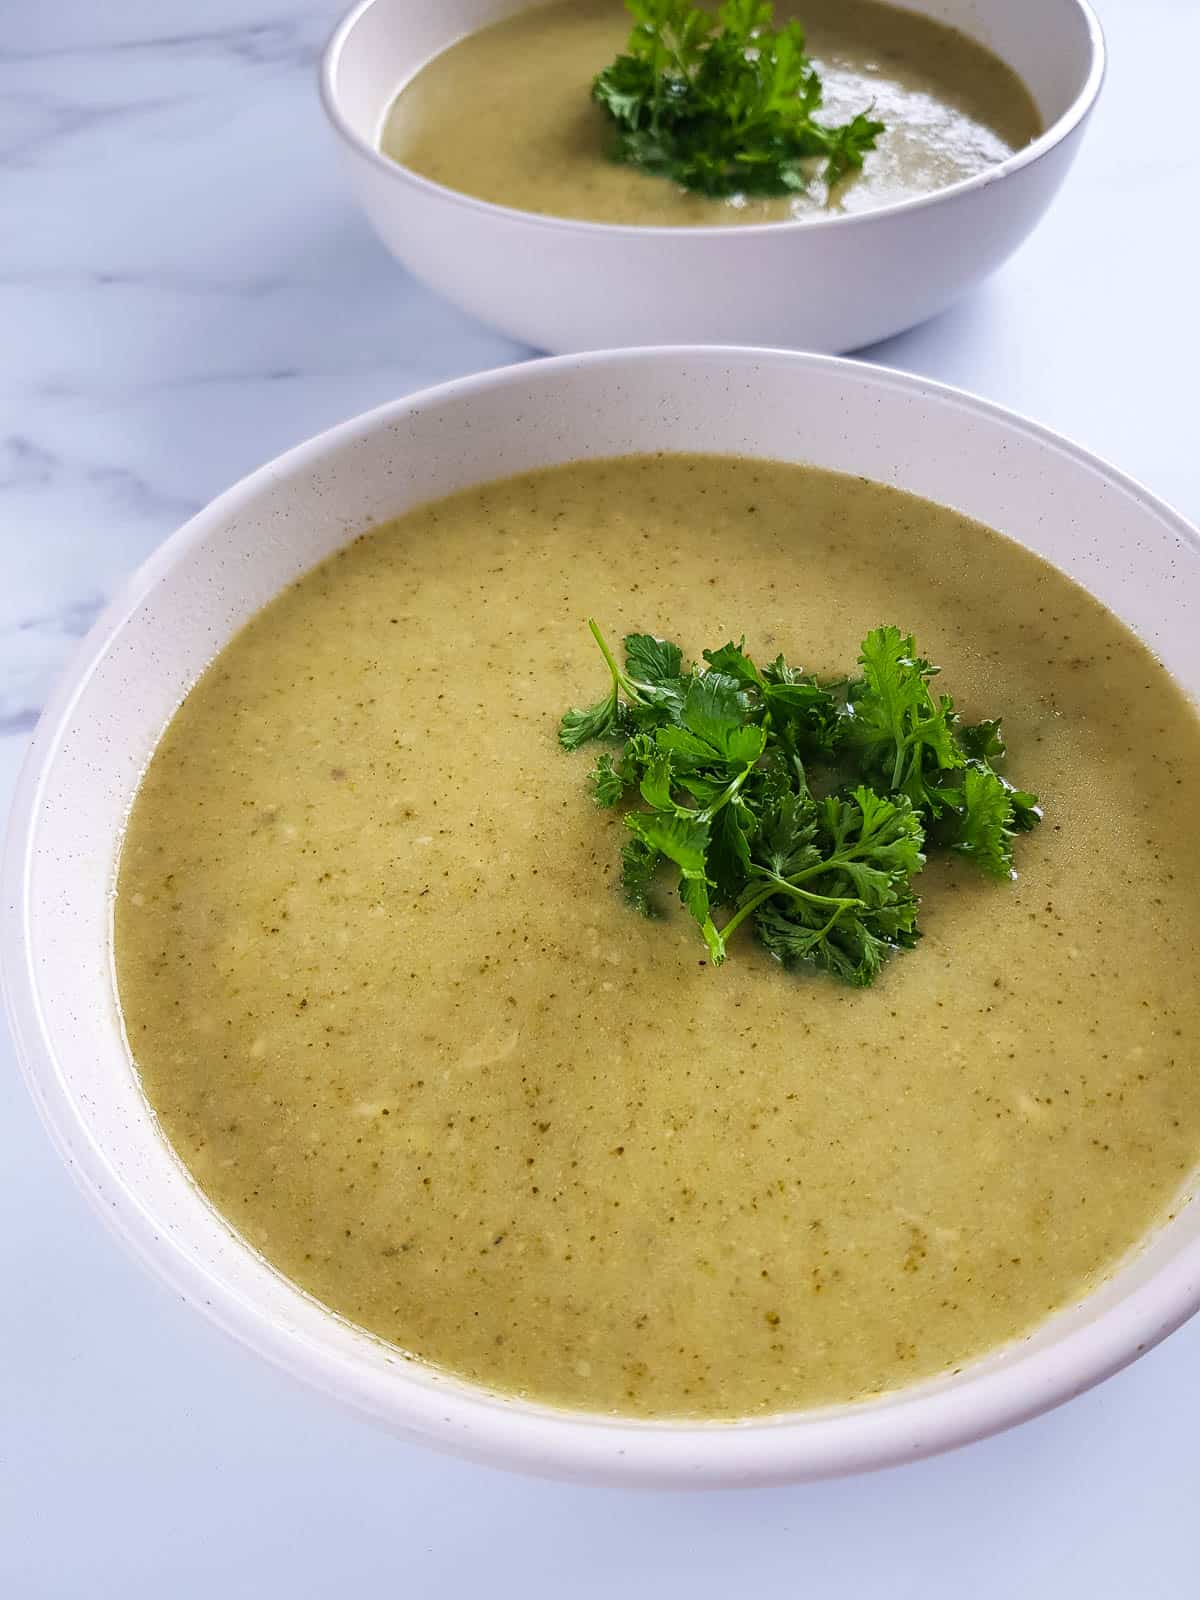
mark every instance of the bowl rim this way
{"type": "Point", "coordinates": [464, 1418]}
{"type": "Point", "coordinates": [1058, 131]}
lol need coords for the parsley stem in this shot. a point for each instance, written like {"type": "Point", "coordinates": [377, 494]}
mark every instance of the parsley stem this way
{"type": "Point", "coordinates": [617, 674]}
{"type": "Point", "coordinates": [831, 864]}
{"type": "Point", "coordinates": [792, 886]}
{"type": "Point", "coordinates": [722, 800]}
{"type": "Point", "coordinates": [777, 885]}
{"type": "Point", "coordinates": [620, 680]}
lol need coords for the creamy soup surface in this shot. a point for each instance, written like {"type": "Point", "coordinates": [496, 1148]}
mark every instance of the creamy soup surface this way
{"type": "Point", "coordinates": [506, 115]}
{"type": "Point", "coordinates": [397, 1021]}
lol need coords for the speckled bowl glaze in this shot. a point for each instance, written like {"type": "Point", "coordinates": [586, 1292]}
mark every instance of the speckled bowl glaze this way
{"type": "Point", "coordinates": [827, 284]}
{"type": "Point", "coordinates": [152, 643]}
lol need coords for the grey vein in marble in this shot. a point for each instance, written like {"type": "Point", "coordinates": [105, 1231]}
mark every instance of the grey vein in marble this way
{"type": "Point", "coordinates": [185, 290]}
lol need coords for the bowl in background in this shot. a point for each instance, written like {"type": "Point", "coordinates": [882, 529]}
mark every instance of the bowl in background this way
{"type": "Point", "coordinates": [823, 284]}
{"type": "Point", "coordinates": [184, 605]}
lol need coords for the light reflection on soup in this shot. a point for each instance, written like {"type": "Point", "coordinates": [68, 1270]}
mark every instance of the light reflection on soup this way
{"type": "Point", "coordinates": [506, 115]}
{"type": "Point", "coordinates": [398, 1023]}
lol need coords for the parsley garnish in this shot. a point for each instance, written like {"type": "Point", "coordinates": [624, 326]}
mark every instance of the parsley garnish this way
{"type": "Point", "coordinates": [802, 807]}
{"type": "Point", "coordinates": [724, 104]}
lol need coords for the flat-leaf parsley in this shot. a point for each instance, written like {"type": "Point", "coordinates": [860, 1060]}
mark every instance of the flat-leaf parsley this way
{"type": "Point", "coordinates": [802, 807]}
{"type": "Point", "coordinates": [724, 104]}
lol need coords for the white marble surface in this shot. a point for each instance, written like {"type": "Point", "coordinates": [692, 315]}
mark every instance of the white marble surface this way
{"type": "Point", "coordinates": [185, 290]}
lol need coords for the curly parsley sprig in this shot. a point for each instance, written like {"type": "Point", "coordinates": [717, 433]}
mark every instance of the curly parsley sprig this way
{"type": "Point", "coordinates": [801, 807]}
{"type": "Point", "coordinates": [724, 104]}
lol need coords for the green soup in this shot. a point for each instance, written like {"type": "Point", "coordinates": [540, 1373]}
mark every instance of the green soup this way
{"type": "Point", "coordinates": [506, 115]}
{"type": "Point", "coordinates": [397, 1021]}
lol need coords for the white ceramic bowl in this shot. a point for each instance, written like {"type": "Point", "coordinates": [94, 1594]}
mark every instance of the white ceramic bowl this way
{"type": "Point", "coordinates": [183, 606]}
{"type": "Point", "coordinates": [829, 284]}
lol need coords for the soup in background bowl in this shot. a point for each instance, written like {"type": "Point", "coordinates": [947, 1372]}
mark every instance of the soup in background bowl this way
{"type": "Point", "coordinates": [535, 141]}
{"type": "Point", "coordinates": [247, 764]}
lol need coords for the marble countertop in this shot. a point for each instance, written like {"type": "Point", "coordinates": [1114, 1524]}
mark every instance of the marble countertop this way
{"type": "Point", "coordinates": [185, 289]}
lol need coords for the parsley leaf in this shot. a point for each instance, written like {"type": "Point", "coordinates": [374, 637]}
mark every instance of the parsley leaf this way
{"type": "Point", "coordinates": [713, 712]}
{"type": "Point", "coordinates": [835, 888]}
{"type": "Point", "coordinates": [983, 741]}
{"type": "Point", "coordinates": [1027, 813]}
{"type": "Point", "coordinates": [724, 104]}
{"type": "Point", "coordinates": [577, 727]}
{"type": "Point", "coordinates": [608, 786]}
{"type": "Point", "coordinates": [684, 840]}
{"type": "Point", "coordinates": [720, 755]}
{"type": "Point", "coordinates": [902, 733]}
{"type": "Point", "coordinates": [731, 661]}
{"type": "Point", "coordinates": [984, 828]}
{"type": "Point", "coordinates": [652, 660]}
{"type": "Point", "coordinates": [914, 743]}
{"type": "Point", "coordinates": [729, 852]}
{"type": "Point", "coordinates": [650, 698]}
{"type": "Point", "coordinates": [639, 867]}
